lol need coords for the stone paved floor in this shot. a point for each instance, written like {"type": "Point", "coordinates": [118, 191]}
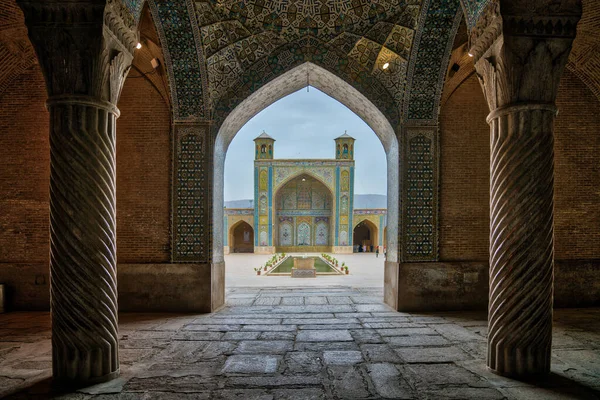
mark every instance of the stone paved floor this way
{"type": "Point", "coordinates": [312, 343]}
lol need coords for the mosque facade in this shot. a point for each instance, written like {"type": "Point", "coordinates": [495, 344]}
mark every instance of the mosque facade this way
{"type": "Point", "coordinates": [304, 205]}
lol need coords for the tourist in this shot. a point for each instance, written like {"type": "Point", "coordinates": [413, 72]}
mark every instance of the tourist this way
{"type": "Point", "coordinates": [377, 252]}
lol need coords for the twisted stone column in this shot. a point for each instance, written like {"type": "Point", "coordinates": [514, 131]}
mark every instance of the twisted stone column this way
{"type": "Point", "coordinates": [85, 49]}
{"type": "Point", "coordinates": [520, 50]}
{"type": "Point", "coordinates": [83, 239]}
{"type": "Point", "coordinates": [521, 239]}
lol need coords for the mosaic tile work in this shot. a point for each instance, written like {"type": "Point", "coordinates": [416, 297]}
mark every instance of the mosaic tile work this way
{"type": "Point", "coordinates": [420, 222]}
{"type": "Point", "coordinates": [181, 55]}
{"type": "Point", "coordinates": [473, 10]}
{"type": "Point", "coordinates": [134, 7]}
{"type": "Point", "coordinates": [294, 54]}
{"type": "Point", "coordinates": [430, 59]}
{"type": "Point", "coordinates": [248, 43]}
{"type": "Point", "coordinates": [191, 211]}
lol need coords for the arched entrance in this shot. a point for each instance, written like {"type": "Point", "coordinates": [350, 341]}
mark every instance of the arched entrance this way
{"type": "Point", "coordinates": [332, 85]}
{"type": "Point", "coordinates": [303, 216]}
{"type": "Point", "coordinates": [241, 237]}
{"type": "Point", "coordinates": [365, 234]}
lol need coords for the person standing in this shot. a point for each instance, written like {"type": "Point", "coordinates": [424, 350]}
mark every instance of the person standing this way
{"type": "Point", "coordinates": [377, 252]}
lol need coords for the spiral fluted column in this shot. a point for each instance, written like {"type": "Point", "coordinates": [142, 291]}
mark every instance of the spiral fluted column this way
{"type": "Point", "coordinates": [521, 239]}
{"type": "Point", "coordinates": [83, 240]}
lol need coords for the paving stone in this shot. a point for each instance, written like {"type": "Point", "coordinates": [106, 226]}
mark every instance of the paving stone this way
{"type": "Point", "coordinates": [341, 335]}
{"type": "Point", "coordinates": [198, 335]}
{"type": "Point", "coordinates": [251, 364]}
{"type": "Point", "coordinates": [277, 335]}
{"type": "Point", "coordinates": [339, 300]}
{"type": "Point", "coordinates": [406, 331]}
{"type": "Point", "coordinates": [388, 382]}
{"type": "Point", "coordinates": [323, 346]}
{"type": "Point", "coordinates": [292, 301]}
{"type": "Point", "coordinates": [320, 321]}
{"type": "Point", "coordinates": [269, 328]}
{"type": "Point", "coordinates": [241, 335]}
{"type": "Point", "coordinates": [315, 300]}
{"type": "Point", "coordinates": [274, 381]}
{"type": "Point", "coordinates": [379, 353]}
{"type": "Point", "coordinates": [240, 301]}
{"type": "Point", "coordinates": [303, 362]}
{"type": "Point", "coordinates": [537, 393]}
{"type": "Point", "coordinates": [359, 315]}
{"type": "Point", "coordinates": [371, 307]}
{"type": "Point", "coordinates": [461, 393]}
{"type": "Point", "coordinates": [391, 325]}
{"type": "Point", "coordinates": [299, 394]}
{"type": "Point", "coordinates": [457, 333]}
{"type": "Point", "coordinates": [330, 327]}
{"type": "Point", "coordinates": [219, 328]}
{"type": "Point", "coordinates": [239, 321]}
{"type": "Point", "coordinates": [432, 354]}
{"type": "Point", "coordinates": [242, 394]}
{"type": "Point", "coordinates": [267, 301]}
{"type": "Point", "coordinates": [366, 336]}
{"type": "Point", "coordinates": [178, 384]}
{"type": "Point", "coordinates": [412, 341]}
{"type": "Point", "coordinates": [367, 299]}
{"type": "Point", "coordinates": [264, 347]}
{"type": "Point", "coordinates": [428, 319]}
{"type": "Point", "coordinates": [216, 349]}
{"type": "Point", "coordinates": [349, 382]}
{"type": "Point", "coordinates": [341, 357]}
{"type": "Point", "coordinates": [427, 375]}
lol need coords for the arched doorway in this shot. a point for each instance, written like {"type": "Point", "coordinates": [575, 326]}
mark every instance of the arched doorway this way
{"type": "Point", "coordinates": [339, 89]}
{"type": "Point", "coordinates": [365, 234]}
{"type": "Point", "coordinates": [303, 216]}
{"type": "Point", "coordinates": [241, 237]}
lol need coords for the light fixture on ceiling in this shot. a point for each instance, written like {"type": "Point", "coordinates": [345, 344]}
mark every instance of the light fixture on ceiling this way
{"type": "Point", "coordinates": [470, 54]}
{"type": "Point", "coordinates": [138, 46]}
{"type": "Point", "coordinates": [303, 179]}
{"type": "Point", "coordinates": [386, 65]}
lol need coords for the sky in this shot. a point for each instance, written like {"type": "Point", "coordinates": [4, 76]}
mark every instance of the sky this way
{"type": "Point", "coordinates": [304, 125]}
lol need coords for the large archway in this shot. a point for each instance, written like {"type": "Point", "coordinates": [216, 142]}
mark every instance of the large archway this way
{"type": "Point", "coordinates": [336, 88]}
{"type": "Point", "coordinates": [365, 235]}
{"type": "Point", "coordinates": [241, 238]}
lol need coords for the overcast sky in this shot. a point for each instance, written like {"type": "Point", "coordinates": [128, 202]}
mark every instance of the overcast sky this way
{"type": "Point", "coordinates": [304, 126]}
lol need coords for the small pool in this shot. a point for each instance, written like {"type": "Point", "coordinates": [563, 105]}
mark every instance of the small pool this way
{"type": "Point", "coordinates": [285, 268]}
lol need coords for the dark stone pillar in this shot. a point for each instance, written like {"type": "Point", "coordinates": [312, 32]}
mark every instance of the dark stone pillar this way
{"type": "Point", "coordinates": [519, 56]}
{"type": "Point", "coordinates": [85, 50]}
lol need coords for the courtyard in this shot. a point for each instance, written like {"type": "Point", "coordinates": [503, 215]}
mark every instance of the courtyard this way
{"type": "Point", "coordinates": [334, 342]}
{"type": "Point", "coordinates": [365, 271]}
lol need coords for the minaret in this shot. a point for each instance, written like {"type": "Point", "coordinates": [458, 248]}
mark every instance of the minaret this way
{"type": "Point", "coordinates": [264, 147]}
{"type": "Point", "coordinates": [344, 147]}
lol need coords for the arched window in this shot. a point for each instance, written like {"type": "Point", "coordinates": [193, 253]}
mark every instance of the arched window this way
{"type": "Point", "coordinates": [263, 149]}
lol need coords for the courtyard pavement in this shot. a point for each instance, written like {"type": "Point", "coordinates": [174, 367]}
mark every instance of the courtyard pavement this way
{"type": "Point", "coordinates": [365, 270]}
{"type": "Point", "coordinates": [313, 343]}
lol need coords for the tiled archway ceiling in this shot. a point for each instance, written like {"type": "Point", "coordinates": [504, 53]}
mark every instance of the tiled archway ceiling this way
{"type": "Point", "coordinates": [219, 51]}
{"type": "Point", "coordinates": [247, 43]}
